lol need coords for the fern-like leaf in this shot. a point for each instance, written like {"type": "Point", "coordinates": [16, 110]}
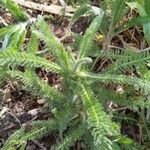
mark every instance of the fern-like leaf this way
{"type": "Point", "coordinates": [128, 59]}
{"type": "Point", "coordinates": [12, 58]}
{"type": "Point", "coordinates": [20, 137]}
{"type": "Point", "coordinates": [70, 139]}
{"type": "Point", "coordinates": [87, 40]}
{"type": "Point", "coordinates": [3, 74]}
{"type": "Point", "coordinates": [64, 116]}
{"type": "Point", "coordinates": [119, 10]}
{"type": "Point", "coordinates": [120, 79]}
{"type": "Point", "coordinates": [55, 47]}
{"type": "Point", "coordinates": [5, 30]}
{"type": "Point", "coordinates": [32, 46]}
{"type": "Point", "coordinates": [15, 35]}
{"type": "Point", "coordinates": [98, 122]}
{"type": "Point", "coordinates": [33, 83]}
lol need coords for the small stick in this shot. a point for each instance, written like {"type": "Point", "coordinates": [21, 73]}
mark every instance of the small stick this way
{"type": "Point", "coordinates": [39, 145]}
{"type": "Point", "coordinates": [3, 21]}
{"type": "Point", "coordinates": [53, 9]}
{"type": "Point", "coordinates": [62, 3]}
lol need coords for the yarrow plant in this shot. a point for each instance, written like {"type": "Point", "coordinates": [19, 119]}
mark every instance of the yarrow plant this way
{"type": "Point", "coordinates": [79, 106]}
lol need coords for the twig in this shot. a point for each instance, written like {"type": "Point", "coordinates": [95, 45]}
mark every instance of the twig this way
{"type": "Point", "coordinates": [53, 9]}
{"type": "Point", "coordinates": [3, 21]}
{"type": "Point", "coordinates": [2, 112]}
{"type": "Point", "coordinates": [62, 3]}
{"type": "Point", "coordinates": [38, 144]}
{"type": "Point", "coordinates": [14, 117]}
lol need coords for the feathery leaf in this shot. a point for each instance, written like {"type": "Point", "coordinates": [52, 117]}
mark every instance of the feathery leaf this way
{"type": "Point", "coordinates": [88, 38]}
{"type": "Point", "coordinates": [29, 60]}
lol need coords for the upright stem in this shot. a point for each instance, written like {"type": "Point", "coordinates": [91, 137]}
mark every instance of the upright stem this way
{"type": "Point", "coordinates": [145, 125]}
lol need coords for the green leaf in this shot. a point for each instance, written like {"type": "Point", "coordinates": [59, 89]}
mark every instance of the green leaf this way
{"type": "Point", "coordinates": [38, 129]}
{"type": "Point", "coordinates": [12, 58]}
{"type": "Point", "coordinates": [125, 140]}
{"type": "Point", "coordinates": [138, 7]}
{"type": "Point", "coordinates": [32, 46]}
{"type": "Point", "coordinates": [39, 87]}
{"type": "Point", "coordinates": [98, 122]}
{"type": "Point", "coordinates": [146, 6]}
{"type": "Point", "coordinates": [118, 11]}
{"type": "Point", "coordinates": [120, 79]}
{"type": "Point", "coordinates": [15, 36]}
{"type": "Point", "coordinates": [89, 36]}
{"type": "Point", "coordinates": [70, 139]}
{"type": "Point", "coordinates": [131, 23]}
{"type": "Point", "coordinates": [5, 30]}
{"type": "Point", "coordinates": [52, 43]}
{"type": "Point", "coordinates": [126, 59]}
{"type": "Point", "coordinates": [143, 10]}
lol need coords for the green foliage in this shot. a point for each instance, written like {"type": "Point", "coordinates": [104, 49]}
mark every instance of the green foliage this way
{"type": "Point", "coordinates": [32, 46]}
{"type": "Point", "coordinates": [52, 43]}
{"type": "Point", "coordinates": [14, 9]}
{"type": "Point", "coordinates": [126, 59]}
{"type": "Point", "coordinates": [79, 106]}
{"type": "Point", "coordinates": [133, 22]}
{"type": "Point", "coordinates": [114, 11]}
{"type": "Point", "coordinates": [88, 37]}
{"type": "Point", "coordinates": [79, 12]}
{"type": "Point", "coordinates": [14, 35]}
{"type": "Point", "coordinates": [3, 75]}
{"type": "Point", "coordinates": [113, 19]}
{"type": "Point", "coordinates": [5, 30]}
{"type": "Point", "coordinates": [32, 82]}
{"type": "Point", "coordinates": [99, 123]}
{"type": "Point", "coordinates": [120, 79]}
{"type": "Point", "coordinates": [143, 9]}
{"type": "Point", "coordinates": [70, 139]}
{"type": "Point", "coordinates": [36, 130]}
{"type": "Point", "coordinates": [10, 57]}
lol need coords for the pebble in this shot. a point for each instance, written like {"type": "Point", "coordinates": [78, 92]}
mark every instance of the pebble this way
{"type": "Point", "coordinates": [33, 112]}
